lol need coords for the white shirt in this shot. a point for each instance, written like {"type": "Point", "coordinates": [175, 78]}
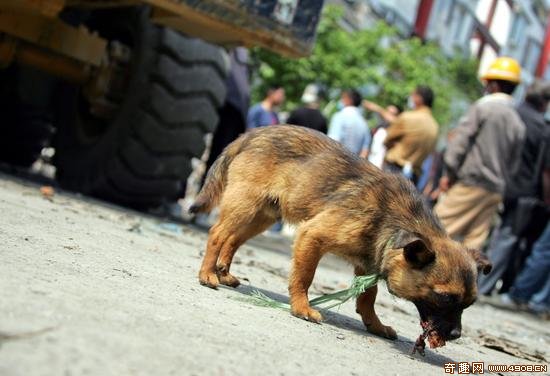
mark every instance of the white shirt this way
{"type": "Point", "coordinates": [350, 129]}
{"type": "Point", "coordinates": [377, 149]}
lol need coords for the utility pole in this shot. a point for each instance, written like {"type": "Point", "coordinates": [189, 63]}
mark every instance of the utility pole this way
{"type": "Point", "coordinates": [544, 52]}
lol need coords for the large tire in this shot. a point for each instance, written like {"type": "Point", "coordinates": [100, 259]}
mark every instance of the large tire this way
{"type": "Point", "coordinates": [142, 156]}
{"type": "Point", "coordinates": [26, 125]}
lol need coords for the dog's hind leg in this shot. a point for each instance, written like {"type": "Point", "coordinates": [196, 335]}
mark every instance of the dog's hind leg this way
{"type": "Point", "coordinates": [261, 222]}
{"type": "Point", "coordinates": [207, 273]}
{"type": "Point", "coordinates": [236, 224]}
{"type": "Point", "coordinates": [365, 307]}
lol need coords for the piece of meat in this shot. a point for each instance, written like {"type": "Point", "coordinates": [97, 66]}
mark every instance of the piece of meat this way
{"type": "Point", "coordinates": [434, 339]}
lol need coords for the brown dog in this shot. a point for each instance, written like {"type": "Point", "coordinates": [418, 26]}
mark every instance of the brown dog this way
{"type": "Point", "coordinates": [344, 205]}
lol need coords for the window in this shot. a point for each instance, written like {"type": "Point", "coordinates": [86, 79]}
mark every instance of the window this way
{"type": "Point", "coordinates": [437, 26]}
{"type": "Point", "coordinates": [517, 30]}
{"type": "Point", "coordinates": [531, 55]}
{"type": "Point", "coordinates": [461, 23]}
{"type": "Point", "coordinates": [450, 13]}
{"type": "Point", "coordinates": [442, 9]}
{"type": "Point", "coordinates": [539, 9]}
{"type": "Point", "coordinates": [465, 26]}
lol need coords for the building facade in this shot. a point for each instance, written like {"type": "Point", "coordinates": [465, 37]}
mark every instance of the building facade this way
{"type": "Point", "coordinates": [484, 29]}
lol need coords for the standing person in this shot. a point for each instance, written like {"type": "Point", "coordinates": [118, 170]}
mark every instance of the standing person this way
{"type": "Point", "coordinates": [348, 126]}
{"type": "Point", "coordinates": [264, 113]}
{"type": "Point", "coordinates": [233, 114]}
{"type": "Point", "coordinates": [485, 148]}
{"type": "Point", "coordinates": [412, 136]}
{"type": "Point", "coordinates": [431, 189]}
{"type": "Point", "coordinates": [309, 115]}
{"type": "Point", "coordinates": [524, 215]}
{"type": "Point", "coordinates": [532, 285]}
{"type": "Point", "coordinates": [387, 114]}
{"type": "Point", "coordinates": [377, 150]}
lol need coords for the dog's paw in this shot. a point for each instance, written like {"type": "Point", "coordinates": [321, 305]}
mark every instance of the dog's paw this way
{"type": "Point", "coordinates": [209, 279]}
{"type": "Point", "coordinates": [308, 314]}
{"type": "Point", "coordinates": [229, 280]}
{"type": "Point", "coordinates": [382, 330]}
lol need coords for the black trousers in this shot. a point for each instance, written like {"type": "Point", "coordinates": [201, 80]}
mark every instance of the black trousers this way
{"type": "Point", "coordinates": [511, 243]}
{"type": "Point", "coordinates": [231, 125]}
{"type": "Point", "coordinates": [394, 168]}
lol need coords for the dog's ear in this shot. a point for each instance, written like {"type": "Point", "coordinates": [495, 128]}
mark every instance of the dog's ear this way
{"type": "Point", "coordinates": [415, 250]}
{"type": "Point", "coordinates": [483, 264]}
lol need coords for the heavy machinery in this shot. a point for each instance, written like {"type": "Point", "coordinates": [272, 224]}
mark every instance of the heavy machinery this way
{"type": "Point", "coordinates": [127, 89]}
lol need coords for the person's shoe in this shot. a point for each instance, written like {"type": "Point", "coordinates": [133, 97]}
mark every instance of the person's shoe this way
{"type": "Point", "coordinates": [484, 299]}
{"type": "Point", "coordinates": [272, 234]}
{"type": "Point", "coordinates": [509, 302]}
{"type": "Point", "coordinates": [203, 220]}
{"type": "Point", "coordinates": [172, 211]}
{"type": "Point", "coordinates": [538, 310]}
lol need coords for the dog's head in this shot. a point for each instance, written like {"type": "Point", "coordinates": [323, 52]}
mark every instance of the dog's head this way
{"type": "Point", "coordinates": [439, 277]}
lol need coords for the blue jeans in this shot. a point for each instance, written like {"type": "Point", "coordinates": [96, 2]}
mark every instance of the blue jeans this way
{"type": "Point", "coordinates": [277, 227]}
{"type": "Point", "coordinates": [532, 285]}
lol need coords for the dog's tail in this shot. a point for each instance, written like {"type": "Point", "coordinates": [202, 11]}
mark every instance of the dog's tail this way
{"type": "Point", "coordinates": [213, 187]}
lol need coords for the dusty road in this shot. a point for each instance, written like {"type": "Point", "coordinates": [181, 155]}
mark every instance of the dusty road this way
{"type": "Point", "coordinates": [90, 289]}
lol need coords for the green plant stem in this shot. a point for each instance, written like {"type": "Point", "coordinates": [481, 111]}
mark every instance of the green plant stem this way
{"type": "Point", "coordinates": [358, 286]}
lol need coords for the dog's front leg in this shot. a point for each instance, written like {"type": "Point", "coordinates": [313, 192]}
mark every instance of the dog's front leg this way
{"type": "Point", "coordinates": [306, 258]}
{"type": "Point", "coordinates": [365, 307]}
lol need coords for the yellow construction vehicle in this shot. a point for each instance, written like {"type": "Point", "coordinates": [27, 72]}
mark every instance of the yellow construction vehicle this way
{"type": "Point", "coordinates": [127, 89]}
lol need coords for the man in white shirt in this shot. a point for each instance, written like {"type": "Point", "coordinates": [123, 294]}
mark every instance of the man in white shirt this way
{"type": "Point", "coordinates": [348, 126]}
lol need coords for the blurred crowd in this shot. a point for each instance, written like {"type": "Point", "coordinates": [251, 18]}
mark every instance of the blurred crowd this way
{"type": "Point", "coordinates": [489, 184]}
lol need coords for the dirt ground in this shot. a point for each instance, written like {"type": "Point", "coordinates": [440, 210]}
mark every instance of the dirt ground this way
{"type": "Point", "coordinates": [91, 289]}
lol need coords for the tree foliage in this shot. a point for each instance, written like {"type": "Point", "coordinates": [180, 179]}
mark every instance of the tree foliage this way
{"type": "Point", "coordinates": [383, 66]}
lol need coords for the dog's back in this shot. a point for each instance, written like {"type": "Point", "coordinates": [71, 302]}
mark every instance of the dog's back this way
{"type": "Point", "coordinates": [299, 172]}
{"type": "Point", "coordinates": [287, 163]}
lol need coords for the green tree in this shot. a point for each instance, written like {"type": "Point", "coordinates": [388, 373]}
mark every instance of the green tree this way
{"type": "Point", "coordinates": [372, 58]}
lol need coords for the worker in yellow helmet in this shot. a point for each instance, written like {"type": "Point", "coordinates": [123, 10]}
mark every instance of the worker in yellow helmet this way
{"type": "Point", "coordinates": [481, 157]}
{"type": "Point", "coordinates": [503, 69]}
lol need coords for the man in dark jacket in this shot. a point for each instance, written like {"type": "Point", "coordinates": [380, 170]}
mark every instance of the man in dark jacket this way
{"type": "Point", "coordinates": [525, 215]}
{"type": "Point", "coordinates": [309, 115]}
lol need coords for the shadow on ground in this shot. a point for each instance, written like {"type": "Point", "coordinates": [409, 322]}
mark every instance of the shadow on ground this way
{"type": "Point", "coordinates": [343, 322]}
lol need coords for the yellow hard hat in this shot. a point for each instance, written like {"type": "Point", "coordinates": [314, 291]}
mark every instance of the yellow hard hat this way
{"type": "Point", "coordinates": [503, 68]}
